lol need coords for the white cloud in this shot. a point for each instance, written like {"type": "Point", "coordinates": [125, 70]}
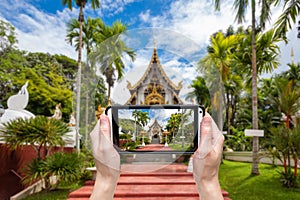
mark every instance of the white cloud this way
{"type": "Point", "coordinates": [38, 31]}
{"type": "Point", "coordinates": [144, 16]}
{"type": "Point", "coordinates": [197, 20]}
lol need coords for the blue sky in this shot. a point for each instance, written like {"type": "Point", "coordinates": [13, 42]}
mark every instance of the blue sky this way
{"type": "Point", "coordinates": [181, 28]}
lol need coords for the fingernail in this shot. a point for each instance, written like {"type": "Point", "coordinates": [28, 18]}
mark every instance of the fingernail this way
{"type": "Point", "coordinates": [103, 120]}
{"type": "Point", "coordinates": [206, 120]}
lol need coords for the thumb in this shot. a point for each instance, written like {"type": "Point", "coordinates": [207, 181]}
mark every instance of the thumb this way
{"type": "Point", "coordinates": [105, 126]}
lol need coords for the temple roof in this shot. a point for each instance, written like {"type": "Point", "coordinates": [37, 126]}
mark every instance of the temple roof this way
{"type": "Point", "coordinates": [154, 63]}
{"type": "Point", "coordinates": [155, 122]}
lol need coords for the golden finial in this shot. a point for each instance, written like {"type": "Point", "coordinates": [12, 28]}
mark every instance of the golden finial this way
{"type": "Point", "coordinates": [154, 40]}
{"type": "Point", "coordinates": [292, 55]}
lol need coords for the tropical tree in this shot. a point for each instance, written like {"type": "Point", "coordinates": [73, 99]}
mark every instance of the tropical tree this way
{"type": "Point", "coordinates": [293, 74]}
{"type": "Point", "coordinates": [200, 92]}
{"type": "Point", "coordinates": [141, 118]}
{"type": "Point", "coordinates": [173, 124]}
{"type": "Point", "coordinates": [110, 51]}
{"type": "Point", "coordinates": [288, 17]}
{"type": "Point", "coordinates": [41, 132]}
{"type": "Point", "coordinates": [233, 87]}
{"type": "Point", "coordinates": [287, 101]}
{"type": "Point", "coordinates": [81, 4]}
{"type": "Point", "coordinates": [241, 6]}
{"type": "Point", "coordinates": [89, 29]}
{"type": "Point", "coordinates": [219, 56]}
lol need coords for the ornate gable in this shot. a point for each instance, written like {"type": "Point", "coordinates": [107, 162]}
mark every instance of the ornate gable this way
{"type": "Point", "coordinates": [154, 87]}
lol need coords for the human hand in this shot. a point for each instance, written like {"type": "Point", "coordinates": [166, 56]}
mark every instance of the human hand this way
{"type": "Point", "coordinates": [107, 161]}
{"type": "Point", "coordinates": [207, 159]}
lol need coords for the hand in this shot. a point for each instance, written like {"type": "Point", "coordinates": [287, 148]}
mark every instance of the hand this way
{"type": "Point", "coordinates": [207, 159]}
{"type": "Point", "coordinates": [107, 161]}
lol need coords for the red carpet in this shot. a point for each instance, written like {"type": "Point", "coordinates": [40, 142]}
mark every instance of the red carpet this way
{"type": "Point", "coordinates": [170, 182]}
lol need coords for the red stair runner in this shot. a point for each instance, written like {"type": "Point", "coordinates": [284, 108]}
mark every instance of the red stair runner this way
{"type": "Point", "coordinates": [170, 182]}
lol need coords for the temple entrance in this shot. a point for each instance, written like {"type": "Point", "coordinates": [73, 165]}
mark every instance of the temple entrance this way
{"type": "Point", "coordinates": [155, 139]}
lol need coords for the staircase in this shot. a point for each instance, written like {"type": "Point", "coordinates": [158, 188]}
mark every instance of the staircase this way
{"type": "Point", "coordinates": [170, 182]}
{"type": "Point", "coordinates": [150, 177]}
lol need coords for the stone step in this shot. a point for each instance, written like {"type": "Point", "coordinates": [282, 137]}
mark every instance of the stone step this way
{"type": "Point", "coordinates": [145, 191]}
{"type": "Point", "coordinates": [152, 182]}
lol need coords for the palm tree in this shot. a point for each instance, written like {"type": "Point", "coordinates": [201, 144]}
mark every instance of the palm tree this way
{"type": "Point", "coordinates": [89, 28]}
{"type": "Point", "coordinates": [287, 102]}
{"type": "Point", "coordinates": [173, 124]}
{"type": "Point", "coordinates": [294, 73]}
{"type": "Point", "coordinates": [200, 92]}
{"type": "Point", "coordinates": [81, 4]}
{"type": "Point", "coordinates": [141, 118]}
{"type": "Point", "coordinates": [233, 87]}
{"type": "Point", "coordinates": [291, 11]}
{"type": "Point", "coordinates": [219, 55]}
{"type": "Point", "coordinates": [110, 51]}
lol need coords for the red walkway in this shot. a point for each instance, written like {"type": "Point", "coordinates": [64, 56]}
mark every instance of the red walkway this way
{"type": "Point", "coordinates": [154, 147]}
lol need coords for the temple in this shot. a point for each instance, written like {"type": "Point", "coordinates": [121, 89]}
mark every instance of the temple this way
{"type": "Point", "coordinates": [155, 133]}
{"type": "Point", "coordinates": [154, 87]}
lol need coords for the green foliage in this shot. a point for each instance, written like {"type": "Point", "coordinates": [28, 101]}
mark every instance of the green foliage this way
{"type": "Point", "coordinates": [124, 136]}
{"type": "Point", "coordinates": [141, 118]}
{"type": "Point", "coordinates": [129, 145]}
{"type": "Point", "coordinates": [200, 92]}
{"type": "Point", "coordinates": [127, 125]}
{"type": "Point", "coordinates": [33, 171]}
{"type": "Point", "coordinates": [40, 132]}
{"type": "Point", "coordinates": [109, 51]}
{"type": "Point", "coordinates": [66, 167]}
{"type": "Point", "coordinates": [50, 82]}
{"type": "Point", "coordinates": [288, 179]}
{"type": "Point", "coordinates": [237, 141]}
{"type": "Point", "coordinates": [7, 36]}
{"type": "Point", "coordinates": [173, 124]}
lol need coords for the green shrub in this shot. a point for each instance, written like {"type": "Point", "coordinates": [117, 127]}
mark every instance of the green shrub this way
{"type": "Point", "coordinates": [66, 167]}
{"type": "Point", "coordinates": [288, 179]}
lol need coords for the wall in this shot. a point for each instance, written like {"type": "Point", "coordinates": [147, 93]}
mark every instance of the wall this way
{"type": "Point", "coordinates": [11, 165]}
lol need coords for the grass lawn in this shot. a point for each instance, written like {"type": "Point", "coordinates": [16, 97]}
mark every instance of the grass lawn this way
{"type": "Point", "coordinates": [60, 194]}
{"type": "Point", "coordinates": [236, 179]}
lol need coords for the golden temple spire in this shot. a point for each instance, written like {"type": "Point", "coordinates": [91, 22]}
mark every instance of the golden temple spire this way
{"type": "Point", "coordinates": [154, 58]}
{"type": "Point", "coordinates": [154, 40]}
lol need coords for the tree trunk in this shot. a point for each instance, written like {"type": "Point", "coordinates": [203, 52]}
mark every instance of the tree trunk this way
{"type": "Point", "coordinates": [233, 110]}
{"type": "Point", "coordinates": [78, 84]}
{"type": "Point", "coordinates": [87, 72]}
{"type": "Point", "coordinates": [296, 167]}
{"type": "Point", "coordinates": [220, 111]}
{"type": "Point", "coordinates": [228, 112]}
{"type": "Point", "coordinates": [255, 169]}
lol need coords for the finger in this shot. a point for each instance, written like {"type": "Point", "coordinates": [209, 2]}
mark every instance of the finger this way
{"type": "Point", "coordinates": [216, 133]}
{"type": "Point", "coordinates": [206, 131]}
{"type": "Point", "coordinates": [105, 126]}
{"type": "Point", "coordinates": [218, 145]}
{"type": "Point", "coordinates": [95, 131]}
